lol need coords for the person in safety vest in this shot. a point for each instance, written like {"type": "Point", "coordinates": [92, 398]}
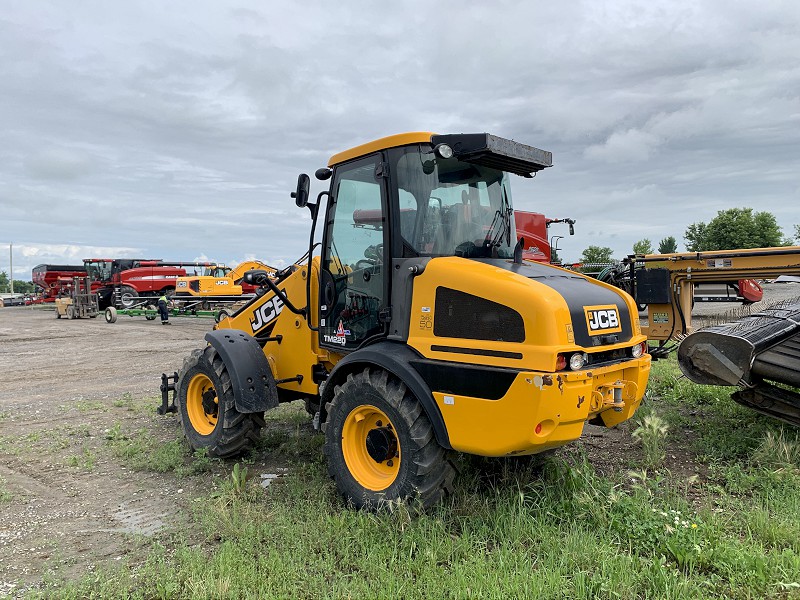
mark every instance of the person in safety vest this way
{"type": "Point", "coordinates": [162, 309]}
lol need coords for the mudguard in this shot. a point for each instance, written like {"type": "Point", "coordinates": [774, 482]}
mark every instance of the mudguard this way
{"type": "Point", "coordinates": [396, 359]}
{"type": "Point", "coordinates": [254, 388]}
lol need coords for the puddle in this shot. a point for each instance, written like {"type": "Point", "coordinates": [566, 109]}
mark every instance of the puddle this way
{"type": "Point", "coordinates": [137, 521]}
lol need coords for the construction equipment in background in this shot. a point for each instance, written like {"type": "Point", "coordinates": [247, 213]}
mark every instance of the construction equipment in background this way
{"type": "Point", "coordinates": [746, 291]}
{"type": "Point", "coordinates": [533, 228]}
{"type": "Point", "coordinates": [420, 329]}
{"type": "Point", "coordinates": [620, 274]}
{"type": "Point", "coordinates": [759, 353]}
{"type": "Point", "coordinates": [150, 312]}
{"type": "Point", "coordinates": [130, 282]}
{"type": "Point", "coordinates": [218, 284]}
{"type": "Point", "coordinates": [54, 280]}
{"type": "Point", "coordinates": [80, 302]}
{"type": "Point", "coordinates": [665, 282]}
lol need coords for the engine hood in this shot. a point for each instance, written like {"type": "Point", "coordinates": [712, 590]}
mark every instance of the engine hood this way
{"type": "Point", "coordinates": [586, 298]}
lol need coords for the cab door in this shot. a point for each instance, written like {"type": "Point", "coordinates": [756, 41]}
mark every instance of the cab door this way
{"type": "Point", "coordinates": [354, 286]}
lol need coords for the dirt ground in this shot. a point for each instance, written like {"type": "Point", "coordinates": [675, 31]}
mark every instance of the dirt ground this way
{"type": "Point", "coordinates": [64, 384]}
{"type": "Point", "coordinates": [66, 505]}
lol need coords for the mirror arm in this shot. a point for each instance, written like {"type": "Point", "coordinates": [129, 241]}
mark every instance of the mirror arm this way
{"type": "Point", "coordinates": [314, 208]}
{"type": "Point", "coordinates": [282, 295]}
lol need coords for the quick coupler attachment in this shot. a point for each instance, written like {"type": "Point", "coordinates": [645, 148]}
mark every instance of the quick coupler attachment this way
{"type": "Point", "coordinates": [168, 383]}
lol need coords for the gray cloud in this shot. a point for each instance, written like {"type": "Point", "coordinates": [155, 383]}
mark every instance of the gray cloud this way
{"type": "Point", "coordinates": [177, 130]}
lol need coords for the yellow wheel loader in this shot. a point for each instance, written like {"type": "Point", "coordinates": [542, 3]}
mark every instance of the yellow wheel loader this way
{"type": "Point", "coordinates": [418, 330]}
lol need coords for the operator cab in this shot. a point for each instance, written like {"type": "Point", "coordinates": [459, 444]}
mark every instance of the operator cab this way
{"type": "Point", "coordinates": [218, 271]}
{"type": "Point", "coordinates": [417, 195]}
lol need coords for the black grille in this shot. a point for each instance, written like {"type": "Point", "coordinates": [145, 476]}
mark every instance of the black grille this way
{"type": "Point", "coordinates": [610, 356]}
{"type": "Point", "coordinates": [461, 315]}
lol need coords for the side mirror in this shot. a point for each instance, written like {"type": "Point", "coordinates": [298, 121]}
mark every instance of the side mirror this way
{"type": "Point", "coordinates": [303, 186]}
{"type": "Point", "coordinates": [255, 277]}
{"type": "Point", "coordinates": [323, 174]}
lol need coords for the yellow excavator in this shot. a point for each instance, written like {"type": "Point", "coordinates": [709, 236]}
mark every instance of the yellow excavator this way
{"type": "Point", "coordinates": [218, 282]}
{"type": "Point", "coordinates": [418, 329]}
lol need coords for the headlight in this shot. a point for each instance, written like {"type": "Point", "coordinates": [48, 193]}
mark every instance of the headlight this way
{"type": "Point", "coordinates": [638, 350]}
{"type": "Point", "coordinates": [444, 151]}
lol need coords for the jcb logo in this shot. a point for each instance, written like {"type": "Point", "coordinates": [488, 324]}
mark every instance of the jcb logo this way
{"type": "Point", "coordinates": [602, 319]}
{"type": "Point", "coordinates": [266, 313]}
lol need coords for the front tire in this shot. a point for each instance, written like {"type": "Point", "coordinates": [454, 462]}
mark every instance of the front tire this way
{"type": "Point", "coordinates": [380, 444]}
{"type": "Point", "coordinates": [128, 296]}
{"type": "Point", "coordinates": [207, 408]}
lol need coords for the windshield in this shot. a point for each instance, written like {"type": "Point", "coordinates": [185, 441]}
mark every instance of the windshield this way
{"type": "Point", "coordinates": [98, 270]}
{"type": "Point", "coordinates": [453, 208]}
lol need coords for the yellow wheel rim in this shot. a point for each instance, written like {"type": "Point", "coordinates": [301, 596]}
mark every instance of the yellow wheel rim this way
{"type": "Point", "coordinates": [202, 422]}
{"type": "Point", "coordinates": [371, 448]}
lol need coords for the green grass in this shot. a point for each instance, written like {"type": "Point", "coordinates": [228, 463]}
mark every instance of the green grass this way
{"type": "Point", "coordinates": [142, 451]}
{"type": "Point", "coordinates": [557, 530]}
{"type": "Point", "coordinates": [720, 428]}
{"type": "Point", "coordinates": [5, 493]}
{"type": "Point", "coordinates": [85, 460]}
{"type": "Point", "coordinates": [84, 406]}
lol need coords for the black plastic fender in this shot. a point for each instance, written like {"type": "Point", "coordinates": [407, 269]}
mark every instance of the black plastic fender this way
{"type": "Point", "coordinates": [396, 358]}
{"type": "Point", "coordinates": [254, 388]}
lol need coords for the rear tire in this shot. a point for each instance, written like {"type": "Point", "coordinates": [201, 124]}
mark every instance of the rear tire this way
{"type": "Point", "coordinates": [207, 408]}
{"type": "Point", "coordinates": [58, 314]}
{"type": "Point", "coordinates": [380, 444]}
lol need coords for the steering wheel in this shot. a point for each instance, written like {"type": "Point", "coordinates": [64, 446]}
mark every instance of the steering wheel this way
{"type": "Point", "coordinates": [364, 263]}
{"type": "Point", "coordinates": [374, 253]}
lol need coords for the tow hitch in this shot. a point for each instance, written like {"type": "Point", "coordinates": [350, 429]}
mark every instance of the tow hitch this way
{"type": "Point", "coordinates": [168, 383]}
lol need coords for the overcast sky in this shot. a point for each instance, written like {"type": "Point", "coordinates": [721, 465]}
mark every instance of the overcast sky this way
{"type": "Point", "coordinates": [176, 130]}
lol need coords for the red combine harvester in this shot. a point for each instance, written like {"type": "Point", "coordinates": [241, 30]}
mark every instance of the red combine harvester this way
{"type": "Point", "coordinates": [127, 282]}
{"type": "Point", "coordinates": [54, 280]}
{"type": "Point", "coordinates": [533, 228]}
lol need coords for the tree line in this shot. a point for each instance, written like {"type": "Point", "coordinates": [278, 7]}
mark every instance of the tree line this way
{"type": "Point", "coordinates": [20, 287]}
{"type": "Point", "coordinates": [731, 229]}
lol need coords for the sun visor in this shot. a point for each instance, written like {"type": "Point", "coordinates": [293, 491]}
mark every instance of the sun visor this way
{"type": "Point", "coordinates": [496, 152]}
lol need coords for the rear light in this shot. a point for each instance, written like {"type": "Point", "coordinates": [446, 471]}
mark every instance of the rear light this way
{"type": "Point", "coordinates": [638, 350]}
{"type": "Point", "coordinates": [577, 360]}
{"type": "Point", "coordinates": [561, 362]}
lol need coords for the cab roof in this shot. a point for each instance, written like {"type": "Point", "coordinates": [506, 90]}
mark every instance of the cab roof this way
{"type": "Point", "coordinates": [392, 141]}
{"type": "Point", "coordinates": [479, 148]}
